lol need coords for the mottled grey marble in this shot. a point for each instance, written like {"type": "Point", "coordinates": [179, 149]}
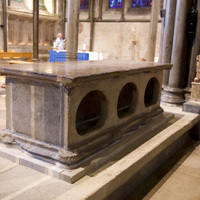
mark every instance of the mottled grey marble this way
{"type": "Point", "coordinates": [48, 116]}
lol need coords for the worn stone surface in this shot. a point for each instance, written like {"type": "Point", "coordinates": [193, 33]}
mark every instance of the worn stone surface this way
{"type": "Point", "coordinates": [73, 70]}
{"type": "Point", "coordinates": [72, 110]}
{"type": "Point", "coordinates": [182, 182]}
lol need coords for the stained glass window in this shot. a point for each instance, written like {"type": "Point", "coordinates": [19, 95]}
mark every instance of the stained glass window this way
{"type": "Point", "coordinates": [115, 4]}
{"type": "Point", "coordinates": [83, 4]}
{"type": "Point", "coordinates": [141, 3]}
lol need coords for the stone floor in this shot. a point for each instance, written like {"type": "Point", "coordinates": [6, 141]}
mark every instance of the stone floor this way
{"type": "Point", "coordinates": [183, 180]}
{"type": "Point", "coordinates": [177, 179]}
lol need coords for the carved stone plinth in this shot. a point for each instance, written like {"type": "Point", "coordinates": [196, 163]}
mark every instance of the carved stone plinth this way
{"type": "Point", "coordinates": [69, 111]}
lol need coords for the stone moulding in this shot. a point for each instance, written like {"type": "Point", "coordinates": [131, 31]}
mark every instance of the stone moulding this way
{"type": "Point", "coordinates": [68, 112]}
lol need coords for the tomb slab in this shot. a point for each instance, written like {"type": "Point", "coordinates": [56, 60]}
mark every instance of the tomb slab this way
{"type": "Point", "coordinates": [67, 112]}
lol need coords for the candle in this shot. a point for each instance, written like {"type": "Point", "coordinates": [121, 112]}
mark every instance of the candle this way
{"type": "Point", "coordinates": [84, 46]}
{"type": "Point", "coordinates": [134, 30]}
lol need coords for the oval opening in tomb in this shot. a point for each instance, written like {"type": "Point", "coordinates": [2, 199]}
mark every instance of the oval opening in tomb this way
{"type": "Point", "coordinates": [151, 92]}
{"type": "Point", "coordinates": [91, 112]}
{"type": "Point", "coordinates": [127, 100]}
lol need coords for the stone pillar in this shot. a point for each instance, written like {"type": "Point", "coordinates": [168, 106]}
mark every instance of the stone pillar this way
{"type": "Point", "coordinates": [1, 31]}
{"type": "Point", "coordinates": [5, 38]}
{"type": "Point", "coordinates": [91, 7]}
{"type": "Point", "coordinates": [35, 30]}
{"type": "Point", "coordinates": [63, 16]}
{"type": "Point", "coordinates": [122, 10]}
{"type": "Point", "coordinates": [195, 49]}
{"type": "Point", "coordinates": [54, 7]}
{"type": "Point", "coordinates": [72, 29]}
{"type": "Point", "coordinates": [162, 31]}
{"type": "Point", "coordinates": [174, 93]}
{"type": "Point", "coordinates": [100, 8]}
{"type": "Point", "coordinates": [153, 29]}
{"type": "Point", "coordinates": [168, 37]}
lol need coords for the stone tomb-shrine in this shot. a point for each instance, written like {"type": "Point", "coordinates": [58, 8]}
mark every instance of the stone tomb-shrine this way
{"type": "Point", "coordinates": [68, 112]}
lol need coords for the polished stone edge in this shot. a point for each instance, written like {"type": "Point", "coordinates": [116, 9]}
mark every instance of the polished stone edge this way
{"type": "Point", "coordinates": [72, 70]}
{"type": "Point", "coordinates": [173, 96]}
{"type": "Point", "coordinates": [72, 158]}
{"type": "Point", "coordinates": [16, 154]}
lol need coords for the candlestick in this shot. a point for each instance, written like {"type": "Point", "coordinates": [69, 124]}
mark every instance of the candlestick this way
{"type": "Point", "coordinates": [134, 35]}
{"type": "Point", "coordinates": [84, 46]}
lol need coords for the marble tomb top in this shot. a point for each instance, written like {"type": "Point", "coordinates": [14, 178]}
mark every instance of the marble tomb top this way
{"type": "Point", "coordinates": [66, 72]}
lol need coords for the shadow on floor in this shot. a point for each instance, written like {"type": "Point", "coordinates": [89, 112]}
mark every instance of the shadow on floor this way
{"type": "Point", "coordinates": [152, 183]}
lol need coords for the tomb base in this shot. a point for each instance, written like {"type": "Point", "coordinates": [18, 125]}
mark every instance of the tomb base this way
{"type": "Point", "coordinates": [133, 158]}
{"type": "Point", "coordinates": [68, 112]}
{"type": "Point", "coordinates": [117, 150]}
{"type": "Point", "coordinates": [74, 157]}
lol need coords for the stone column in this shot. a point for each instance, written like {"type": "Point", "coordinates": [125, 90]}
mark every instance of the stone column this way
{"type": "Point", "coordinates": [35, 30]}
{"type": "Point", "coordinates": [162, 31]}
{"type": "Point", "coordinates": [91, 24]}
{"type": "Point", "coordinates": [122, 10]}
{"type": "Point", "coordinates": [63, 17]}
{"type": "Point", "coordinates": [195, 49]}
{"type": "Point", "coordinates": [168, 38]}
{"type": "Point", "coordinates": [5, 38]}
{"type": "Point", "coordinates": [174, 93]}
{"type": "Point", "coordinates": [72, 29]}
{"type": "Point", "coordinates": [54, 6]}
{"type": "Point", "coordinates": [153, 29]}
{"type": "Point", "coordinates": [1, 30]}
{"type": "Point", "coordinates": [100, 8]}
